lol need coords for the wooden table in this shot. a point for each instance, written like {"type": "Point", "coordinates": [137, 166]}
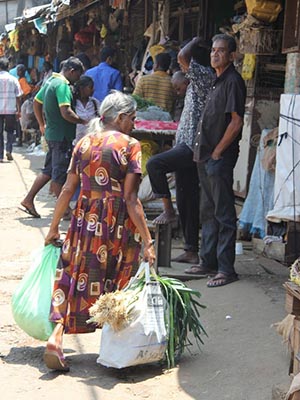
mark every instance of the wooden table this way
{"type": "Point", "coordinates": [292, 306]}
{"type": "Point", "coordinates": [160, 136]}
{"type": "Point", "coordinates": [163, 233]}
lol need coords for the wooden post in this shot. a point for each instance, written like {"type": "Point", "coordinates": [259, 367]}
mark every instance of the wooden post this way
{"type": "Point", "coordinates": [165, 19]}
{"type": "Point", "coordinates": [200, 18]}
{"type": "Point", "coordinates": [296, 349]}
{"type": "Point", "coordinates": [154, 22]}
{"type": "Point", "coordinates": [146, 15]}
{"type": "Point", "coordinates": [181, 25]}
{"type": "Point", "coordinates": [163, 242]}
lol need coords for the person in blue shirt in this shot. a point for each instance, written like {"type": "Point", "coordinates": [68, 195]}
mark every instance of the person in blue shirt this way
{"type": "Point", "coordinates": [105, 76]}
{"type": "Point", "coordinates": [13, 71]}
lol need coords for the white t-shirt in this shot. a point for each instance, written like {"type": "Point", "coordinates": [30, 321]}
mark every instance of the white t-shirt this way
{"type": "Point", "coordinates": [87, 112]}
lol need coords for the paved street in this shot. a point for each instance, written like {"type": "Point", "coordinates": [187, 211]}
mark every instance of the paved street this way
{"type": "Point", "coordinates": [242, 359]}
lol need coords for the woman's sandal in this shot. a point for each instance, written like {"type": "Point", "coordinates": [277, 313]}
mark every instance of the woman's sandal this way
{"type": "Point", "coordinates": [54, 359]}
{"type": "Point", "coordinates": [222, 280]}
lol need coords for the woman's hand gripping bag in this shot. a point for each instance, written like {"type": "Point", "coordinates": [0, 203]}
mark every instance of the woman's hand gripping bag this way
{"type": "Point", "coordinates": [145, 338]}
{"type": "Point", "coordinates": [32, 299]}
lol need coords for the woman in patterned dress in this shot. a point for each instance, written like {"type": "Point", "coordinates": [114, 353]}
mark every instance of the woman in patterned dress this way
{"type": "Point", "coordinates": [103, 243]}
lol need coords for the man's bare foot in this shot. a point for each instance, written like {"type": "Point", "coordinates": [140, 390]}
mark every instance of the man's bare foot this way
{"type": "Point", "coordinates": [165, 218]}
{"type": "Point", "coordinates": [190, 257]}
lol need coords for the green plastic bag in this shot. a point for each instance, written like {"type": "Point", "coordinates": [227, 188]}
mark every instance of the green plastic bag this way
{"type": "Point", "coordinates": [32, 300]}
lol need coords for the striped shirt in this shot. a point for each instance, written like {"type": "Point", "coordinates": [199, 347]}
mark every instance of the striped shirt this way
{"type": "Point", "coordinates": [158, 88]}
{"type": "Point", "coordinates": [9, 90]}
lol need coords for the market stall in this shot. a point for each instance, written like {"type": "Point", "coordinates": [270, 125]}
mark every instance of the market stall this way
{"type": "Point", "coordinates": [159, 131]}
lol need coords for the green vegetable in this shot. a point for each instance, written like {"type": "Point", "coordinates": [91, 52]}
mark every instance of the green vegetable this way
{"type": "Point", "coordinates": [183, 317]}
{"type": "Point", "coordinates": [142, 103]}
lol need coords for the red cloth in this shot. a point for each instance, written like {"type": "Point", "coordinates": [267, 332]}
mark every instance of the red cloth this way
{"type": "Point", "coordinates": [156, 125]}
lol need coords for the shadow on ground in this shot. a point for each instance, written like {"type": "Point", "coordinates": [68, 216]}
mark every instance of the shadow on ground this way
{"type": "Point", "coordinates": [83, 367]}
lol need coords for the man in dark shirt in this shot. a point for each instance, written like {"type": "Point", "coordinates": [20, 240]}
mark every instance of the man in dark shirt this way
{"type": "Point", "coordinates": [216, 151]}
{"type": "Point", "coordinates": [193, 58]}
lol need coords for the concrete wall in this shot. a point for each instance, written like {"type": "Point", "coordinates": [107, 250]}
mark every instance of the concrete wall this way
{"type": "Point", "coordinates": [10, 9]}
{"type": "Point", "coordinates": [292, 74]}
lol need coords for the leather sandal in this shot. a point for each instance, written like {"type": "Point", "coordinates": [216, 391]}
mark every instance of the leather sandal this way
{"type": "Point", "coordinates": [221, 280]}
{"type": "Point", "coordinates": [54, 359]}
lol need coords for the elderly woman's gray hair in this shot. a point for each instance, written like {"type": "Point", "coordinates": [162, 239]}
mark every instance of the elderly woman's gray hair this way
{"type": "Point", "coordinates": [114, 104]}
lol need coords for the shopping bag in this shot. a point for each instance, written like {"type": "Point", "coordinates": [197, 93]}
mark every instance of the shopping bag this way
{"type": "Point", "coordinates": [144, 339]}
{"type": "Point", "coordinates": [32, 299]}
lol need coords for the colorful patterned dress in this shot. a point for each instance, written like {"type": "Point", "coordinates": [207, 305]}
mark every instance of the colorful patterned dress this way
{"type": "Point", "coordinates": [102, 245]}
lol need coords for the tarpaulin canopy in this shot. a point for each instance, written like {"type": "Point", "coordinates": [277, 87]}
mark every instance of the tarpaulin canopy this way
{"type": "Point", "coordinates": [287, 174]}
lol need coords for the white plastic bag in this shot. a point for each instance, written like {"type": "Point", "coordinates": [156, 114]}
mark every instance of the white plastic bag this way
{"type": "Point", "coordinates": [144, 340]}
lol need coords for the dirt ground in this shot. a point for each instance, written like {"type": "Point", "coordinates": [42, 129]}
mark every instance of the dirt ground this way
{"type": "Point", "coordinates": [242, 359]}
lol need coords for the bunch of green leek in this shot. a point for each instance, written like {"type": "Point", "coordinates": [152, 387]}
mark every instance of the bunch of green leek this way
{"type": "Point", "coordinates": [183, 315]}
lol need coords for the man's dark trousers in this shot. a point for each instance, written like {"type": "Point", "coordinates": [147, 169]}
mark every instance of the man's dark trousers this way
{"type": "Point", "coordinates": [179, 159]}
{"type": "Point", "coordinates": [10, 126]}
{"type": "Point", "coordinates": [218, 214]}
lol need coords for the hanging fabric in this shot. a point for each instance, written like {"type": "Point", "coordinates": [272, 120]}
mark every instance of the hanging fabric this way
{"type": "Point", "coordinates": [14, 39]}
{"type": "Point", "coordinates": [121, 4]}
{"type": "Point", "coordinates": [40, 25]}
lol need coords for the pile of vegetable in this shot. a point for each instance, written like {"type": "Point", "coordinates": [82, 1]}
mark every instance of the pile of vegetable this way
{"type": "Point", "coordinates": [295, 272]}
{"type": "Point", "coordinates": [142, 104]}
{"type": "Point", "coordinates": [182, 317]}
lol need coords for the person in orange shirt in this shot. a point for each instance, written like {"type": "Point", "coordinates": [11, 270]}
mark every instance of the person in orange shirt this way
{"type": "Point", "coordinates": [25, 86]}
{"type": "Point", "coordinates": [27, 90]}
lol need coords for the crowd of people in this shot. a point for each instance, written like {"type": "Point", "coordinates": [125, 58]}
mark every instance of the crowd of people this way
{"type": "Point", "coordinates": [92, 156]}
{"type": "Point", "coordinates": [18, 87]}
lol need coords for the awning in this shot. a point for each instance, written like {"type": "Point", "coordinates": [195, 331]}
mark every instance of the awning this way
{"type": "Point", "coordinates": [32, 12]}
{"type": "Point", "coordinates": [61, 11]}
{"type": "Point", "coordinates": [10, 27]}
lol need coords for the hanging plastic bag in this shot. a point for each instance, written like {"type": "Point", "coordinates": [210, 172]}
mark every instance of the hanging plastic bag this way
{"type": "Point", "coordinates": [32, 300]}
{"type": "Point", "coordinates": [144, 339]}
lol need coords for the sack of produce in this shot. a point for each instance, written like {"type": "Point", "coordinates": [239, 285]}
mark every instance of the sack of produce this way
{"type": "Point", "coordinates": [149, 320]}
{"type": "Point", "coordinates": [137, 331]}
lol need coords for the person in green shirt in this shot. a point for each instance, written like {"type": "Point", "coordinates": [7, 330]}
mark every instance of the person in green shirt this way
{"type": "Point", "coordinates": [57, 122]}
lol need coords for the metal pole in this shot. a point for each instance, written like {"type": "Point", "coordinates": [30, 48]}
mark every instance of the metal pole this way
{"type": "Point", "coordinates": [21, 6]}
{"type": "Point", "coordinates": [6, 11]}
{"type": "Point", "coordinates": [154, 21]}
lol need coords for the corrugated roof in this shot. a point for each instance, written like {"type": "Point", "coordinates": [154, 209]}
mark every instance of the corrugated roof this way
{"type": "Point", "coordinates": [35, 11]}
